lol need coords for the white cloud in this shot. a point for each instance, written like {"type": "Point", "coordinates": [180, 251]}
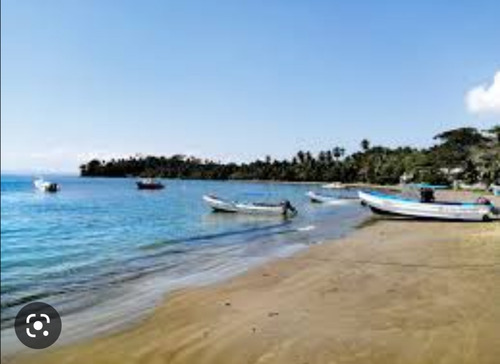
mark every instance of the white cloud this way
{"type": "Point", "coordinates": [485, 98]}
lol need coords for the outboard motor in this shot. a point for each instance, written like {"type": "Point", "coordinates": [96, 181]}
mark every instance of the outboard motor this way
{"type": "Point", "coordinates": [484, 201]}
{"type": "Point", "coordinates": [53, 187]}
{"type": "Point", "coordinates": [427, 195]}
{"type": "Point", "coordinates": [287, 206]}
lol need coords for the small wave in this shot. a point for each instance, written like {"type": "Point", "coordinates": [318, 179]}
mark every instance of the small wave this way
{"type": "Point", "coordinates": [28, 298]}
{"type": "Point", "coordinates": [163, 243]}
{"type": "Point", "coordinates": [307, 228]}
{"type": "Point", "coordinates": [158, 244]}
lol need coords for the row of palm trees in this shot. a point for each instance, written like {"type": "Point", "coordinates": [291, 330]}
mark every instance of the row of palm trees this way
{"type": "Point", "coordinates": [464, 153]}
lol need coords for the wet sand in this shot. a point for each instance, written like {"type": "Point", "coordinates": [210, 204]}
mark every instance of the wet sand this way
{"type": "Point", "coordinates": [392, 292]}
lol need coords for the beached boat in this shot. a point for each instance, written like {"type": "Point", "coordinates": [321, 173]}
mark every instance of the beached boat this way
{"type": "Point", "coordinates": [149, 184]}
{"type": "Point", "coordinates": [495, 190]}
{"type": "Point", "coordinates": [46, 186]}
{"type": "Point", "coordinates": [284, 208]}
{"type": "Point", "coordinates": [330, 200]}
{"type": "Point", "coordinates": [380, 203]}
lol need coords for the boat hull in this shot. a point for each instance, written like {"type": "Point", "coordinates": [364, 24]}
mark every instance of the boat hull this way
{"type": "Point", "coordinates": [389, 205]}
{"type": "Point", "coordinates": [317, 198]}
{"type": "Point", "coordinates": [150, 186]}
{"type": "Point", "coordinates": [219, 205]}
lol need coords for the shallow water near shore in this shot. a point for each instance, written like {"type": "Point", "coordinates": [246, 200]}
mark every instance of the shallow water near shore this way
{"type": "Point", "coordinates": [102, 252]}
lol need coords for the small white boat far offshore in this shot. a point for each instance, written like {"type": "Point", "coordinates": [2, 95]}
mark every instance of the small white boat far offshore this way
{"type": "Point", "coordinates": [46, 186]}
{"type": "Point", "coordinates": [284, 208]}
{"type": "Point", "coordinates": [482, 210]}
{"type": "Point", "coordinates": [330, 200]}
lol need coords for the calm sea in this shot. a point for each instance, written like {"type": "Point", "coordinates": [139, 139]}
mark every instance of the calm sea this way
{"type": "Point", "coordinates": [100, 251]}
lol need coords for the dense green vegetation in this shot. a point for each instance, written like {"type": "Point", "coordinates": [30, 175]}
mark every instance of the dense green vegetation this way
{"type": "Point", "coordinates": [465, 154]}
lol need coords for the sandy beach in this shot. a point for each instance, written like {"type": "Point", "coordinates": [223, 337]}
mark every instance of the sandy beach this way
{"type": "Point", "coordinates": [392, 292]}
{"type": "Point", "coordinates": [250, 182]}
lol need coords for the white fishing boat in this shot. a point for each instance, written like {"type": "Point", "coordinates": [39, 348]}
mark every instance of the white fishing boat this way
{"type": "Point", "coordinates": [46, 186]}
{"type": "Point", "coordinates": [482, 210]}
{"type": "Point", "coordinates": [284, 208]}
{"type": "Point", "coordinates": [495, 190]}
{"type": "Point", "coordinates": [330, 200]}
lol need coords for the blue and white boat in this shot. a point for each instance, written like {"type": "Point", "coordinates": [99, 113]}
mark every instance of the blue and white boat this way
{"type": "Point", "coordinates": [330, 200]}
{"type": "Point", "coordinates": [495, 189]}
{"type": "Point", "coordinates": [380, 203]}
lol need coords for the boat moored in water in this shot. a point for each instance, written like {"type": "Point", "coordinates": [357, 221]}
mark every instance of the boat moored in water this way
{"type": "Point", "coordinates": [428, 208]}
{"type": "Point", "coordinates": [149, 184]}
{"type": "Point", "coordinates": [46, 186]}
{"type": "Point", "coordinates": [330, 200]}
{"type": "Point", "coordinates": [217, 204]}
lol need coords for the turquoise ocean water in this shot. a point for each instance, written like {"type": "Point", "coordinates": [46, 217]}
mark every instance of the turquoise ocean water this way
{"type": "Point", "coordinates": [100, 251]}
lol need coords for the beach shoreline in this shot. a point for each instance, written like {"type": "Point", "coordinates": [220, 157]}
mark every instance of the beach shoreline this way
{"type": "Point", "coordinates": [392, 291]}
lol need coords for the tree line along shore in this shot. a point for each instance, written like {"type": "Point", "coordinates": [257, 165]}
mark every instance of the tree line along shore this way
{"type": "Point", "coordinates": [468, 155]}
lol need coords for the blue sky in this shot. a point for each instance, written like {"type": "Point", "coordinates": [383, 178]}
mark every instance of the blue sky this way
{"type": "Point", "coordinates": [236, 80]}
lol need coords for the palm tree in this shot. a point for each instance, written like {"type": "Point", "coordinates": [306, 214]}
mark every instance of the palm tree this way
{"type": "Point", "coordinates": [329, 157]}
{"type": "Point", "coordinates": [322, 157]}
{"type": "Point", "coordinates": [338, 152]}
{"type": "Point", "coordinates": [301, 156]}
{"type": "Point", "coordinates": [309, 157]}
{"type": "Point", "coordinates": [365, 145]}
